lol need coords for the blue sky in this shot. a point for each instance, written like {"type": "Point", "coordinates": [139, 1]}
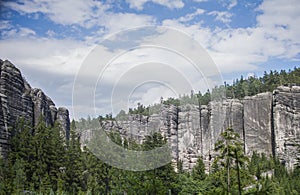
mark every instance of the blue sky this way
{"type": "Point", "coordinates": [50, 39]}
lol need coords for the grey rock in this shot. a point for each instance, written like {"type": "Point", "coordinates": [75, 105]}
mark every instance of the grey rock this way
{"type": "Point", "coordinates": [257, 123]}
{"type": "Point", "coordinates": [18, 99]}
{"type": "Point", "coordinates": [286, 116]}
{"type": "Point", "coordinates": [267, 123]}
{"type": "Point", "coordinates": [64, 121]}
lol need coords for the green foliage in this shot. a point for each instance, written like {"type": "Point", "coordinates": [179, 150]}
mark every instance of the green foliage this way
{"type": "Point", "coordinates": [172, 101]}
{"type": "Point", "coordinates": [190, 185]}
{"type": "Point", "coordinates": [122, 115]}
{"type": "Point", "coordinates": [198, 172]}
{"type": "Point", "coordinates": [42, 162]}
{"type": "Point", "coordinates": [231, 157]}
{"type": "Point", "coordinates": [141, 110]}
{"type": "Point", "coordinates": [19, 176]}
{"type": "Point", "coordinates": [268, 82]}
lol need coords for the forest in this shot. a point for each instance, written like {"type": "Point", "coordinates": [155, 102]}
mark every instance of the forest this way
{"type": "Point", "coordinates": [41, 161]}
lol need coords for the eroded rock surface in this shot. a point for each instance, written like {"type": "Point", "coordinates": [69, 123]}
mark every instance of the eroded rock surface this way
{"type": "Point", "coordinates": [18, 99]}
{"type": "Point", "coordinates": [257, 123]}
{"type": "Point", "coordinates": [267, 123]}
{"type": "Point", "coordinates": [286, 110]}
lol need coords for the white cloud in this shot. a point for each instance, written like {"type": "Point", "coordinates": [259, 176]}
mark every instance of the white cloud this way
{"type": "Point", "coordinates": [65, 12]}
{"type": "Point", "coordinates": [136, 4]}
{"type": "Point", "coordinates": [191, 16]}
{"type": "Point", "coordinates": [168, 64]}
{"type": "Point", "coordinates": [224, 16]}
{"type": "Point", "coordinates": [11, 32]}
{"type": "Point", "coordinates": [84, 13]}
{"type": "Point", "coordinates": [229, 4]}
{"type": "Point", "coordinates": [280, 21]}
{"type": "Point", "coordinates": [50, 33]}
{"type": "Point", "coordinates": [115, 22]}
{"type": "Point", "coordinates": [244, 49]}
{"type": "Point", "coordinates": [52, 55]}
{"type": "Point", "coordinates": [170, 3]}
{"type": "Point", "coordinates": [197, 31]}
{"type": "Point", "coordinates": [232, 4]}
{"type": "Point", "coordinates": [47, 63]}
{"type": "Point", "coordinates": [25, 32]}
{"type": "Point", "coordinates": [276, 35]}
{"type": "Point", "coordinates": [167, 3]}
{"type": "Point", "coordinates": [5, 25]}
{"type": "Point", "coordinates": [199, 1]}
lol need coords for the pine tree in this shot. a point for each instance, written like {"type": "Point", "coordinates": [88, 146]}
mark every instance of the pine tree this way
{"type": "Point", "coordinates": [19, 181]}
{"type": "Point", "coordinates": [74, 165]}
{"type": "Point", "coordinates": [4, 177]}
{"type": "Point", "coordinates": [231, 155]}
{"type": "Point", "coordinates": [198, 172]}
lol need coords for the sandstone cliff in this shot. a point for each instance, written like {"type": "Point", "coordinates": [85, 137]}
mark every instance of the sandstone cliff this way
{"type": "Point", "coordinates": [267, 123]}
{"type": "Point", "coordinates": [18, 99]}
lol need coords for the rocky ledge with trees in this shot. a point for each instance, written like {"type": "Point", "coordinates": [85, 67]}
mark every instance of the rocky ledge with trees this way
{"type": "Point", "coordinates": [41, 155]}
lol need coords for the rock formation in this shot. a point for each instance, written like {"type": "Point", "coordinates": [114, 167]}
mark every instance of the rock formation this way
{"type": "Point", "coordinates": [258, 123]}
{"type": "Point", "coordinates": [18, 99]}
{"type": "Point", "coordinates": [267, 123]}
{"type": "Point", "coordinates": [286, 124]}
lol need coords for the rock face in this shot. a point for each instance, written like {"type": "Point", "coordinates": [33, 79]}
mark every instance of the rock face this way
{"type": "Point", "coordinates": [258, 123]}
{"type": "Point", "coordinates": [286, 118]}
{"type": "Point", "coordinates": [267, 123]}
{"type": "Point", "coordinates": [18, 99]}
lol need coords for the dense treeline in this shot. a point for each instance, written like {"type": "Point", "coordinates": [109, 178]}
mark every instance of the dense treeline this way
{"type": "Point", "coordinates": [42, 162]}
{"type": "Point", "coordinates": [268, 82]}
{"type": "Point", "coordinates": [238, 89]}
{"type": "Point", "coordinates": [244, 87]}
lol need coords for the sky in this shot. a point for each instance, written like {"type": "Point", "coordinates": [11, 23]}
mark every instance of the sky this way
{"type": "Point", "coordinates": [52, 43]}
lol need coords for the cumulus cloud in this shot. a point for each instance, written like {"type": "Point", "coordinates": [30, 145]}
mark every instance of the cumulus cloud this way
{"type": "Point", "coordinates": [276, 35]}
{"type": "Point", "coordinates": [115, 22]}
{"type": "Point", "coordinates": [232, 4]}
{"type": "Point", "coordinates": [191, 16]}
{"type": "Point", "coordinates": [86, 14]}
{"type": "Point", "coordinates": [9, 31]}
{"type": "Point", "coordinates": [52, 55]}
{"type": "Point", "coordinates": [280, 22]}
{"type": "Point", "coordinates": [83, 13]}
{"type": "Point", "coordinates": [5, 25]}
{"type": "Point", "coordinates": [222, 16]}
{"type": "Point", "coordinates": [244, 49]}
{"type": "Point", "coordinates": [229, 4]}
{"type": "Point", "coordinates": [165, 56]}
{"type": "Point", "coordinates": [199, 1]}
{"type": "Point", "coordinates": [139, 5]}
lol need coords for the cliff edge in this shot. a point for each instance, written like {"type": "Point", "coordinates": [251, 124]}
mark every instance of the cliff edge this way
{"type": "Point", "coordinates": [18, 99]}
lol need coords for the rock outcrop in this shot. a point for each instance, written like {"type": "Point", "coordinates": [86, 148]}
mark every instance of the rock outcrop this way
{"type": "Point", "coordinates": [18, 99]}
{"type": "Point", "coordinates": [267, 123]}
{"type": "Point", "coordinates": [258, 123]}
{"type": "Point", "coordinates": [286, 124]}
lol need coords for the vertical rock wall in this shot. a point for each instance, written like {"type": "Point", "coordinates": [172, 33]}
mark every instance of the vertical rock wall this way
{"type": "Point", "coordinates": [266, 124]}
{"type": "Point", "coordinates": [286, 112]}
{"type": "Point", "coordinates": [257, 123]}
{"type": "Point", "coordinates": [18, 99]}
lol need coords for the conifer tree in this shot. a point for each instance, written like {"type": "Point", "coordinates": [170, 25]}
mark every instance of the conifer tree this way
{"type": "Point", "coordinates": [198, 172]}
{"type": "Point", "coordinates": [231, 155]}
